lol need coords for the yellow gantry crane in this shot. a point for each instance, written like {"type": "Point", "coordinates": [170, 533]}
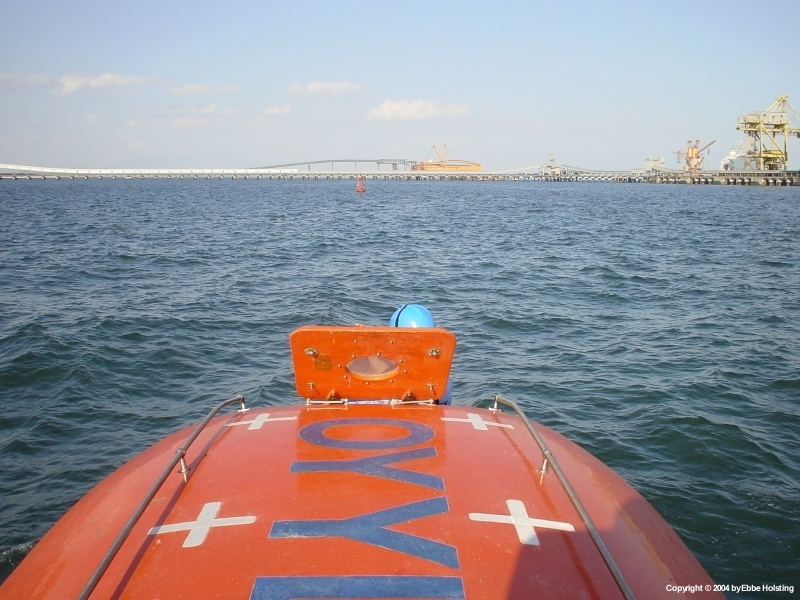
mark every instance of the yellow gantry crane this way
{"type": "Point", "coordinates": [768, 131]}
{"type": "Point", "coordinates": [693, 156]}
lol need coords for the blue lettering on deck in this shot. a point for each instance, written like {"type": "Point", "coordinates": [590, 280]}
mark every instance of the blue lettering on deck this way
{"type": "Point", "coordinates": [358, 587]}
{"type": "Point", "coordinates": [315, 434]}
{"type": "Point", "coordinates": [376, 466]}
{"type": "Point", "coordinates": [371, 529]}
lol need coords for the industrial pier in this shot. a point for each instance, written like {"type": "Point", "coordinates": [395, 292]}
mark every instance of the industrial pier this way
{"type": "Point", "coordinates": [552, 173]}
{"type": "Point", "coordinates": [762, 162]}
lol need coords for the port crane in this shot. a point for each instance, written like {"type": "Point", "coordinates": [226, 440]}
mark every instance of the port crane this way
{"type": "Point", "coordinates": [693, 156]}
{"type": "Point", "coordinates": [768, 131]}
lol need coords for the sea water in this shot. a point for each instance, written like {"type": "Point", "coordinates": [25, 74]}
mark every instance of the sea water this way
{"type": "Point", "coordinates": [656, 325]}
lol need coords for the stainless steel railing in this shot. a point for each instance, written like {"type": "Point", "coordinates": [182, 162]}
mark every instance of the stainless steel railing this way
{"type": "Point", "coordinates": [550, 459]}
{"type": "Point", "coordinates": [179, 457]}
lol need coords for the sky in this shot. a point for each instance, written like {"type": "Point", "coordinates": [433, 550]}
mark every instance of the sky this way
{"type": "Point", "coordinates": [254, 83]}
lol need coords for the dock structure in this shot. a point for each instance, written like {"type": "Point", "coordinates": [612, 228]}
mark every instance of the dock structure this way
{"type": "Point", "coordinates": [399, 171]}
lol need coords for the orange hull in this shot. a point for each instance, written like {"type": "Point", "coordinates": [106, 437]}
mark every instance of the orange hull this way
{"type": "Point", "coordinates": [361, 501]}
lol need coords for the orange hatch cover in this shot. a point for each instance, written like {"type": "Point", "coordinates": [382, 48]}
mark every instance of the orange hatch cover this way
{"type": "Point", "coordinates": [361, 501]}
{"type": "Point", "coordinates": [371, 363]}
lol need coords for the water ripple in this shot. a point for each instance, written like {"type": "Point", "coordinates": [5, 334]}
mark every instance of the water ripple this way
{"type": "Point", "coordinates": [658, 326]}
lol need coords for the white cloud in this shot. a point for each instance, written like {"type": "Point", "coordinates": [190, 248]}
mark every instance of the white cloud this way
{"type": "Point", "coordinates": [77, 82]}
{"type": "Point", "coordinates": [21, 80]}
{"type": "Point", "coordinates": [208, 109]}
{"type": "Point", "coordinates": [191, 89]}
{"type": "Point", "coordinates": [265, 117]}
{"type": "Point", "coordinates": [416, 110]}
{"type": "Point", "coordinates": [270, 111]}
{"type": "Point", "coordinates": [142, 124]}
{"type": "Point", "coordinates": [182, 117]}
{"type": "Point", "coordinates": [134, 144]}
{"type": "Point", "coordinates": [205, 110]}
{"type": "Point", "coordinates": [197, 89]}
{"type": "Point", "coordinates": [325, 88]}
{"type": "Point", "coordinates": [195, 117]}
{"type": "Point", "coordinates": [189, 122]}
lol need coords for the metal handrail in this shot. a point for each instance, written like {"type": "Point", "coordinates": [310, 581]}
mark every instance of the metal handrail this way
{"type": "Point", "coordinates": [573, 497]}
{"type": "Point", "coordinates": [180, 453]}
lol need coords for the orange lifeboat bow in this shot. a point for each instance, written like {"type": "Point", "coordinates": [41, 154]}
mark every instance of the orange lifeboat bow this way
{"type": "Point", "coordinates": [350, 497]}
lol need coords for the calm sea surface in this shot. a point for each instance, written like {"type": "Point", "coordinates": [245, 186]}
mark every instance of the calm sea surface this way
{"type": "Point", "coordinates": [657, 326]}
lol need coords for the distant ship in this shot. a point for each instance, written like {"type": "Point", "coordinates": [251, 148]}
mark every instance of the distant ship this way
{"type": "Point", "coordinates": [446, 165]}
{"type": "Point", "coordinates": [734, 161]}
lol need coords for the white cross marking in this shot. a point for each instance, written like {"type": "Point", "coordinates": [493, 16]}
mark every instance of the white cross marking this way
{"type": "Point", "coordinates": [477, 422]}
{"type": "Point", "coordinates": [260, 420]}
{"type": "Point", "coordinates": [198, 530]}
{"type": "Point", "coordinates": [524, 525]}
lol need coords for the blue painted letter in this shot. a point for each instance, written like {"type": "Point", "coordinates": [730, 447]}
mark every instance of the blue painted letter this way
{"type": "Point", "coordinates": [315, 434]}
{"type": "Point", "coordinates": [376, 465]}
{"type": "Point", "coordinates": [371, 529]}
{"type": "Point", "coordinates": [357, 587]}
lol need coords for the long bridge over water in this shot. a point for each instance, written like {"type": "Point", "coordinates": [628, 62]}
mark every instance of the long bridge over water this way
{"type": "Point", "coordinates": [400, 169]}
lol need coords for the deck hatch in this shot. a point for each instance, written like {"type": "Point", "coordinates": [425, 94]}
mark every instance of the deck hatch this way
{"type": "Point", "coordinates": [371, 363]}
